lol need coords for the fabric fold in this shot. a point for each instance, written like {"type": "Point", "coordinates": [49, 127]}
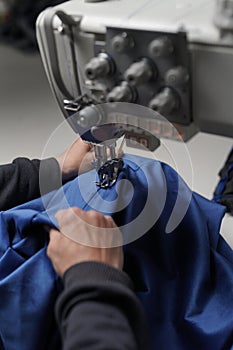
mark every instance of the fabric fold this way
{"type": "Point", "coordinates": [184, 278]}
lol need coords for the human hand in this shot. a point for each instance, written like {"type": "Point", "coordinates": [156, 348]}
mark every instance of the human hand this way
{"type": "Point", "coordinates": [76, 159]}
{"type": "Point", "coordinates": [84, 236]}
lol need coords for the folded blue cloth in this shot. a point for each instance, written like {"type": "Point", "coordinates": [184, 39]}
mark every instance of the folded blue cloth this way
{"type": "Point", "coordinates": [181, 267]}
{"type": "Point", "coordinates": [223, 192]}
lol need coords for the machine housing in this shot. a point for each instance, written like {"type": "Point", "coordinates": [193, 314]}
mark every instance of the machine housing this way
{"type": "Point", "coordinates": [172, 56]}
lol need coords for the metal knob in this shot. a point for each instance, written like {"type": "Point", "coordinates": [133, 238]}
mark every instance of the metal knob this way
{"type": "Point", "coordinates": [99, 66]}
{"type": "Point", "coordinates": [164, 102]}
{"type": "Point", "coordinates": [139, 72]}
{"type": "Point", "coordinates": [122, 42]}
{"type": "Point", "coordinates": [161, 47]}
{"type": "Point", "coordinates": [177, 76]}
{"type": "Point", "coordinates": [122, 93]}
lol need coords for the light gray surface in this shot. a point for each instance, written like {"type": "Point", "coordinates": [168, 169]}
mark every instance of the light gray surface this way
{"type": "Point", "coordinates": [32, 126]}
{"type": "Point", "coordinates": [196, 16]}
{"type": "Point", "coordinates": [28, 112]}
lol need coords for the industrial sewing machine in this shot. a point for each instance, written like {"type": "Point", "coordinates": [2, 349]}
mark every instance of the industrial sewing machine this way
{"type": "Point", "coordinates": [145, 69]}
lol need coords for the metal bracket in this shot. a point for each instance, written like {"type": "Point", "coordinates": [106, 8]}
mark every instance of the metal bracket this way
{"type": "Point", "coordinates": [108, 173]}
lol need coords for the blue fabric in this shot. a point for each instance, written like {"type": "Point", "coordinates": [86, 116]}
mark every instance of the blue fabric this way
{"type": "Point", "coordinates": [181, 267]}
{"type": "Point", "coordinates": [223, 193]}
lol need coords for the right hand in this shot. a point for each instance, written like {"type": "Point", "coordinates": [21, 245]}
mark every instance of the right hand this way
{"type": "Point", "coordinates": [84, 236]}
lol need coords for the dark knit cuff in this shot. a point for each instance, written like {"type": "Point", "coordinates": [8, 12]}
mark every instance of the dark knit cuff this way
{"type": "Point", "coordinates": [50, 177]}
{"type": "Point", "coordinates": [93, 271]}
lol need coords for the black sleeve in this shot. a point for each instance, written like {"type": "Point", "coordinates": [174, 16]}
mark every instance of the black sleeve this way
{"type": "Point", "coordinates": [98, 310]}
{"type": "Point", "coordinates": [24, 179]}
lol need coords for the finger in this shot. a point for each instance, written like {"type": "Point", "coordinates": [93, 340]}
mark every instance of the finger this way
{"type": "Point", "coordinates": [83, 147]}
{"type": "Point", "coordinates": [89, 159]}
{"type": "Point", "coordinates": [62, 214]}
{"type": "Point", "coordinates": [109, 221]}
{"type": "Point", "coordinates": [54, 234]}
{"type": "Point", "coordinates": [115, 234]}
{"type": "Point", "coordinates": [94, 218]}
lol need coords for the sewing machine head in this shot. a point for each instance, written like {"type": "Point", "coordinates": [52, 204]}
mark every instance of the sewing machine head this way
{"type": "Point", "coordinates": [105, 60]}
{"type": "Point", "coordinates": [103, 125]}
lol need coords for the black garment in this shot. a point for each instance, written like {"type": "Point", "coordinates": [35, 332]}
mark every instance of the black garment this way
{"type": "Point", "coordinates": [98, 310]}
{"type": "Point", "coordinates": [20, 180]}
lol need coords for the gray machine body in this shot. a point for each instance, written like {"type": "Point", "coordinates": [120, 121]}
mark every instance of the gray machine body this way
{"type": "Point", "coordinates": [183, 56]}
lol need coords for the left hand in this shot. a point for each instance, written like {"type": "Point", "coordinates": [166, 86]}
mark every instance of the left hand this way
{"type": "Point", "coordinates": [76, 159]}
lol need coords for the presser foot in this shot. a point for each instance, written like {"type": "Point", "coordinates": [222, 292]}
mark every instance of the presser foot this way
{"type": "Point", "coordinates": [108, 172]}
